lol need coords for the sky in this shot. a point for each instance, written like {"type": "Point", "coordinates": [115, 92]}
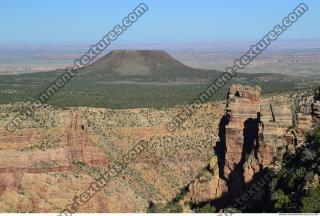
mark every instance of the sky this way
{"type": "Point", "coordinates": [166, 20]}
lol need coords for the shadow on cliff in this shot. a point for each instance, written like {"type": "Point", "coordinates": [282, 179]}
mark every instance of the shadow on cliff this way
{"type": "Point", "coordinates": [235, 181]}
{"type": "Point", "coordinates": [220, 148]}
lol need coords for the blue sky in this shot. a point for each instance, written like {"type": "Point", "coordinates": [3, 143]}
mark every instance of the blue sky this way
{"type": "Point", "coordinates": [206, 20]}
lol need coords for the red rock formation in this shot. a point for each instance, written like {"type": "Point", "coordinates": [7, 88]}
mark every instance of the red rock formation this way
{"type": "Point", "coordinates": [78, 148]}
{"type": "Point", "coordinates": [276, 119]}
{"type": "Point", "coordinates": [243, 108]}
{"type": "Point", "coordinates": [250, 168]}
{"type": "Point", "coordinates": [316, 106]}
{"type": "Point", "coordinates": [208, 186]}
{"type": "Point", "coordinates": [304, 123]}
{"type": "Point", "coordinates": [254, 135]}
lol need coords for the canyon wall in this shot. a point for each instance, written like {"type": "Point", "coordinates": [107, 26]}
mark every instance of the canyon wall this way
{"type": "Point", "coordinates": [58, 153]}
{"type": "Point", "coordinates": [77, 149]}
{"type": "Point", "coordinates": [316, 106]}
{"type": "Point", "coordinates": [39, 163]}
{"type": "Point", "coordinates": [254, 134]}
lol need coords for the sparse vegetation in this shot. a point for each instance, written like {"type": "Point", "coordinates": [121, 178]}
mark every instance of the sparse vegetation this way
{"type": "Point", "coordinates": [207, 208]}
{"type": "Point", "coordinates": [45, 164]}
{"type": "Point", "coordinates": [172, 207]}
{"type": "Point", "coordinates": [297, 190]}
{"type": "Point", "coordinates": [171, 83]}
{"type": "Point", "coordinates": [310, 203]}
{"type": "Point", "coordinates": [48, 142]}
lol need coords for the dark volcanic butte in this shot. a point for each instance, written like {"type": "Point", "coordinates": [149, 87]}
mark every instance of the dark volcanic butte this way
{"type": "Point", "coordinates": [137, 62]}
{"type": "Point", "coordinates": [142, 65]}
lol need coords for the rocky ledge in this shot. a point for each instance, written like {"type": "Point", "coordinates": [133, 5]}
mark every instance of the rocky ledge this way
{"type": "Point", "coordinates": [254, 135]}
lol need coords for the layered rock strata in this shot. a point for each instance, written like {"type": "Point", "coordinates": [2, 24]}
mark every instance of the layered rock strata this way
{"type": "Point", "coordinates": [77, 150]}
{"type": "Point", "coordinates": [254, 135]}
{"type": "Point", "coordinates": [316, 106]}
{"type": "Point", "coordinates": [208, 186]}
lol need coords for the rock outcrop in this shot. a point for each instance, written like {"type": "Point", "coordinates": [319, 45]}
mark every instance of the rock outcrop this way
{"type": "Point", "coordinates": [316, 106]}
{"type": "Point", "coordinates": [45, 156]}
{"type": "Point", "coordinates": [58, 153]}
{"type": "Point", "coordinates": [254, 135]}
{"type": "Point", "coordinates": [78, 149]}
{"type": "Point", "coordinates": [207, 186]}
{"type": "Point", "coordinates": [276, 119]}
{"type": "Point", "coordinates": [242, 112]}
{"type": "Point", "coordinates": [304, 123]}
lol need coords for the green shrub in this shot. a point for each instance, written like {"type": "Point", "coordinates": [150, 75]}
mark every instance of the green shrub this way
{"type": "Point", "coordinates": [170, 208]}
{"type": "Point", "coordinates": [281, 201]}
{"type": "Point", "coordinates": [154, 208]}
{"type": "Point", "coordinates": [314, 137]}
{"type": "Point", "coordinates": [207, 208]}
{"type": "Point", "coordinates": [311, 203]}
{"type": "Point", "coordinates": [174, 208]}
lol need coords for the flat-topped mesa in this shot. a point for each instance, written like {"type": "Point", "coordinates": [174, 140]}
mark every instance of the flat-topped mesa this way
{"type": "Point", "coordinates": [133, 52]}
{"type": "Point", "coordinates": [316, 106]}
{"type": "Point", "coordinates": [136, 62]}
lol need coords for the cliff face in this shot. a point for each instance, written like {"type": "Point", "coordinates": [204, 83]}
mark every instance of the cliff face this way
{"type": "Point", "coordinates": [77, 149]}
{"type": "Point", "coordinates": [43, 158]}
{"type": "Point", "coordinates": [58, 153]}
{"type": "Point", "coordinates": [241, 130]}
{"type": "Point", "coordinates": [253, 136]}
{"type": "Point", "coordinates": [208, 186]}
{"type": "Point", "coordinates": [316, 106]}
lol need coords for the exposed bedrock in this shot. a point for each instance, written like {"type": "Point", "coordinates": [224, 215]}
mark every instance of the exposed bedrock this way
{"type": "Point", "coordinates": [316, 106]}
{"type": "Point", "coordinates": [254, 136]}
{"type": "Point", "coordinates": [77, 149]}
{"type": "Point", "coordinates": [208, 186]}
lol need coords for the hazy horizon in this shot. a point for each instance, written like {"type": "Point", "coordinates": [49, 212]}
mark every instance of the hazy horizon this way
{"type": "Point", "coordinates": [40, 36]}
{"type": "Point", "coordinates": [16, 57]}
